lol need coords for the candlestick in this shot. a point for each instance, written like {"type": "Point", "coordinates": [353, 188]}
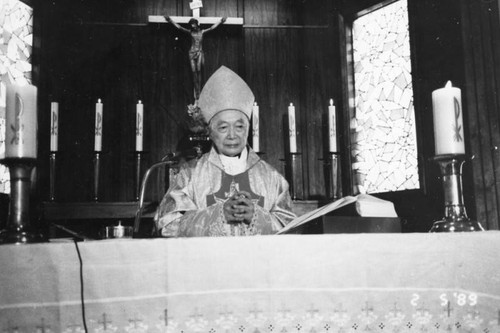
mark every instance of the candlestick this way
{"type": "Point", "coordinates": [332, 176]}
{"type": "Point", "coordinates": [19, 229]}
{"type": "Point", "coordinates": [54, 125]}
{"type": "Point", "coordinates": [455, 217]}
{"type": "Point", "coordinates": [96, 162]}
{"type": "Point", "coordinates": [332, 128]}
{"type": "Point", "coordinates": [255, 128]}
{"type": "Point", "coordinates": [52, 175]}
{"type": "Point", "coordinates": [138, 171]}
{"type": "Point", "coordinates": [98, 125]}
{"type": "Point", "coordinates": [293, 174]}
{"type": "Point", "coordinates": [139, 126]}
{"type": "Point", "coordinates": [292, 128]}
{"type": "Point", "coordinates": [448, 120]}
{"type": "Point", "coordinates": [21, 122]}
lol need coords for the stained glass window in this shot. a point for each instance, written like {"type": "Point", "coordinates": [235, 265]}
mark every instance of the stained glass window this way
{"type": "Point", "coordinates": [383, 134]}
{"type": "Point", "coordinates": [16, 42]}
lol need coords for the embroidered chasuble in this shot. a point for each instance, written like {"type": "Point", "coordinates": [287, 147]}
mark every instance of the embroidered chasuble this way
{"type": "Point", "coordinates": [193, 206]}
{"type": "Point", "coordinates": [231, 185]}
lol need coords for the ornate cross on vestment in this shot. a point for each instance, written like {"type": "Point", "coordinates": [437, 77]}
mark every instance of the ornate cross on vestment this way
{"type": "Point", "coordinates": [195, 6]}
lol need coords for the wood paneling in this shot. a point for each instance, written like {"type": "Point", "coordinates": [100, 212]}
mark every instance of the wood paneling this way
{"type": "Point", "coordinates": [482, 61]}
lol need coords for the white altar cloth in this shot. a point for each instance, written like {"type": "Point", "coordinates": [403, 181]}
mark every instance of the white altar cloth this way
{"type": "Point", "coordinates": [288, 283]}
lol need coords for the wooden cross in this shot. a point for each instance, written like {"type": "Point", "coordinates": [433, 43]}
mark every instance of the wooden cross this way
{"type": "Point", "coordinates": [195, 6]}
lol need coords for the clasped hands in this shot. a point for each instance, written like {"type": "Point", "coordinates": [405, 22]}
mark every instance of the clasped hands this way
{"type": "Point", "coordinates": [239, 208]}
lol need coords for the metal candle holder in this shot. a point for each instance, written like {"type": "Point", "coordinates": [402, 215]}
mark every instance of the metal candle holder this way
{"type": "Point", "coordinates": [19, 229]}
{"type": "Point", "coordinates": [138, 169]}
{"type": "Point", "coordinates": [455, 216]}
{"type": "Point", "coordinates": [293, 170]}
{"type": "Point", "coordinates": [97, 162]}
{"type": "Point", "coordinates": [332, 164]}
{"type": "Point", "coordinates": [52, 175]}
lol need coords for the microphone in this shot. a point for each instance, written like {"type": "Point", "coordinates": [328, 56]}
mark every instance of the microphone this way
{"type": "Point", "coordinates": [168, 159]}
{"type": "Point", "coordinates": [189, 153]}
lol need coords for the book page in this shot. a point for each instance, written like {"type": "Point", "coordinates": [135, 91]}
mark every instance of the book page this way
{"type": "Point", "coordinates": [317, 213]}
{"type": "Point", "coordinates": [368, 205]}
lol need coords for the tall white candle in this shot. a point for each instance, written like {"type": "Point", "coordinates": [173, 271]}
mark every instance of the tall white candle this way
{"type": "Point", "coordinates": [255, 127]}
{"type": "Point", "coordinates": [54, 126]}
{"type": "Point", "coordinates": [139, 126]}
{"type": "Point", "coordinates": [448, 120]}
{"type": "Point", "coordinates": [21, 121]}
{"type": "Point", "coordinates": [98, 125]}
{"type": "Point", "coordinates": [332, 127]}
{"type": "Point", "coordinates": [292, 128]}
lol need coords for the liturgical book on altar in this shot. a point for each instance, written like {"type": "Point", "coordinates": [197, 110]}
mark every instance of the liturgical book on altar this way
{"type": "Point", "coordinates": [363, 204]}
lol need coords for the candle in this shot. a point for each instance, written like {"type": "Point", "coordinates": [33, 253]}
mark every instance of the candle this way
{"type": "Point", "coordinates": [448, 120]}
{"type": "Point", "coordinates": [139, 126]}
{"type": "Point", "coordinates": [292, 128]}
{"type": "Point", "coordinates": [21, 121]}
{"type": "Point", "coordinates": [255, 127]}
{"type": "Point", "coordinates": [98, 126]}
{"type": "Point", "coordinates": [332, 127]}
{"type": "Point", "coordinates": [54, 125]}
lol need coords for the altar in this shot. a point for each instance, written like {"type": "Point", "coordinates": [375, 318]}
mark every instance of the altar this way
{"type": "Point", "coordinates": [289, 283]}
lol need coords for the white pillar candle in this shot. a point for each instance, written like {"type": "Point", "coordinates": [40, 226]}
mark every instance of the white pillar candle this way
{"type": "Point", "coordinates": [21, 121]}
{"type": "Point", "coordinates": [255, 127]}
{"type": "Point", "coordinates": [292, 128]}
{"type": "Point", "coordinates": [54, 126]}
{"type": "Point", "coordinates": [332, 127]}
{"type": "Point", "coordinates": [448, 120]}
{"type": "Point", "coordinates": [98, 125]}
{"type": "Point", "coordinates": [139, 126]}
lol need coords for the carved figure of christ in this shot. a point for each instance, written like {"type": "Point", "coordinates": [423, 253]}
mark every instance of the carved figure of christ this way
{"type": "Point", "coordinates": [196, 55]}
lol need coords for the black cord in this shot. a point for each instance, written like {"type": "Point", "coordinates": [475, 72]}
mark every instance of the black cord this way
{"type": "Point", "coordinates": [81, 287]}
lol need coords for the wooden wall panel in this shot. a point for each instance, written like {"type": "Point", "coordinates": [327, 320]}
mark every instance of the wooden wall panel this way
{"type": "Point", "coordinates": [482, 49]}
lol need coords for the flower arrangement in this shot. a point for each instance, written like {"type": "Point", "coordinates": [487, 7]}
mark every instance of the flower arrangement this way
{"type": "Point", "coordinates": [195, 122]}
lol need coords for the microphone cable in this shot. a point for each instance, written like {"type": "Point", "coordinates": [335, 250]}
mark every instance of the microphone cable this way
{"type": "Point", "coordinates": [82, 297]}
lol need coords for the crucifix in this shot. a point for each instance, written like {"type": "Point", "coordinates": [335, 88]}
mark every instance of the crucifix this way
{"type": "Point", "coordinates": [196, 56]}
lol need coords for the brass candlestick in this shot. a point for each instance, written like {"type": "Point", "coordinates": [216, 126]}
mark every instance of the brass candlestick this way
{"type": "Point", "coordinates": [455, 216]}
{"type": "Point", "coordinates": [19, 229]}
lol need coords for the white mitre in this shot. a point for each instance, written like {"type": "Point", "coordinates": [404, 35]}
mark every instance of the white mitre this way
{"type": "Point", "coordinates": [225, 90]}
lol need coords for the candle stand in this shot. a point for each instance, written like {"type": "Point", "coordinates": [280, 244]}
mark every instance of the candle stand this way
{"type": "Point", "coordinates": [19, 229]}
{"type": "Point", "coordinates": [52, 175]}
{"type": "Point", "coordinates": [139, 156]}
{"type": "Point", "coordinates": [332, 176]}
{"type": "Point", "coordinates": [293, 172]}
{"type": "Point", "coordinates": [455, 217]}
{"type": "Point", "coordinates": [97, 164]}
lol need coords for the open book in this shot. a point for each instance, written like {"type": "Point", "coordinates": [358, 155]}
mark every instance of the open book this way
{"type": "Point", "coordinates": [366, 205]}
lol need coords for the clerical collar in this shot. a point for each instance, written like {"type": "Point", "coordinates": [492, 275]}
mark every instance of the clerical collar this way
{"type": "Point", "coordinates": [236, 164]}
